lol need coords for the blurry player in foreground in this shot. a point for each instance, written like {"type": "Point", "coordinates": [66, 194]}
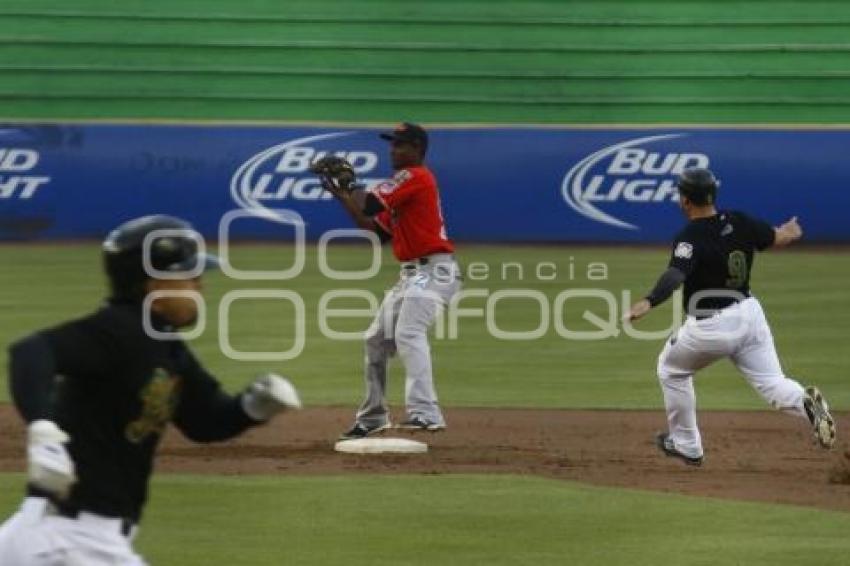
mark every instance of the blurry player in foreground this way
{"type": "Point", "coordinates": [98, 392]}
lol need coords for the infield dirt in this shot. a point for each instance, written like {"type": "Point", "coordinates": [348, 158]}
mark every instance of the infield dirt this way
{"type": "Point", "coordinates": [758, 456]}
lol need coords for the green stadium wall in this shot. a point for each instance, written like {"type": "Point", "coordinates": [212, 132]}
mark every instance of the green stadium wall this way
{"type": "Point", "coordinates": [438, 61]}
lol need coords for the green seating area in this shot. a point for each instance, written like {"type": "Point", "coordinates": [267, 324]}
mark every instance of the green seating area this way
{"type": "Point", "coordinates": [605, 62]}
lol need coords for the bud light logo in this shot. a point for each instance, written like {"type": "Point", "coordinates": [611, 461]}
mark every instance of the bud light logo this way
{"type": "Point", "coordinates": [21, 172]}
{"type": "Point", "coordinates": [18, 175]}
{"type": "Point", "coordinates": [281, 173]}
{"type": "Point", "coordinates": [626, 172]}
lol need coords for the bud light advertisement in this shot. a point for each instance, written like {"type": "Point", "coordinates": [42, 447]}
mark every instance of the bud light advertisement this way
{"type": "Point", "coordinates": [497, 184]}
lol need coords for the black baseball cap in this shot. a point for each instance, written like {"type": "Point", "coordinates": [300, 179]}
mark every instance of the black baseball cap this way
{"type": "Point", "coordinates": [408, 132]}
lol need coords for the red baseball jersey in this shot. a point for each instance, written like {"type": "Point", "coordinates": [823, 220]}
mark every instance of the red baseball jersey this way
{"type": "Point", "coordinates": [412, 214]}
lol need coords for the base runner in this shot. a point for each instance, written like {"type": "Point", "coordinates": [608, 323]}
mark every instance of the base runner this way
{"type": "Point", "coordinates": [98, 392]}
{"type": "Point", "coordinates": [713, 257]}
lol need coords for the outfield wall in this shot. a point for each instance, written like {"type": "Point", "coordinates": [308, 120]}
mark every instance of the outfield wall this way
{"type": "Point", "coordinates": [498, 184]}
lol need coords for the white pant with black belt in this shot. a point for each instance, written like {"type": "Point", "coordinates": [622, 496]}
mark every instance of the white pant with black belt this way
{"type": "Point", "coordinates": [739, 332]}
{"type": "Point", "coordinates": [37, 536]}
{"type": "Point", "coordinates": [401, 325]}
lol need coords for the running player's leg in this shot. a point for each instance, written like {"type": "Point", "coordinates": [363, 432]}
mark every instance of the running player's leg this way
{"type": "Point", "coordinates": [685, 353]}
{"type": "Point", "coordinates": [758, 361]}
{"type": "Point", "coordinates": [93, 544]}
{"type": "Point", "coordinates": [29, 538]}
{"type": "Point", "coordinates": [373, 412]}
{"type": "Point", "coordinates": [10, 535]}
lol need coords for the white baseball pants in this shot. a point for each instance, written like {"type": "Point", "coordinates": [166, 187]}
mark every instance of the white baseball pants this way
{"type": "Point", "coordinates": [739, 332]}
{"type": "Point", "coordinates": [37, 536]}
{"type": "Point", "coordinates": [402, 325]}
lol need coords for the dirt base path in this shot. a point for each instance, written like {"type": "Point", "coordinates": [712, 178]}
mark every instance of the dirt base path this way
{"type": "Point", "coordinates": [759, 456]}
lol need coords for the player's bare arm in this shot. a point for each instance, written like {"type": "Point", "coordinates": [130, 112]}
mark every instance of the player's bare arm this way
{"type": "Point", "coordinates": [354, 203]}
{"type": "Point", "coordinates": [337, 177]}
{"type": "Point", "coordinates": [788, 233]}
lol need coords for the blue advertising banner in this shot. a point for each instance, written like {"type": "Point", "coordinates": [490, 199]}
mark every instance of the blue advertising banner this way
{"type": "Point", "coordinates": [516, 184]}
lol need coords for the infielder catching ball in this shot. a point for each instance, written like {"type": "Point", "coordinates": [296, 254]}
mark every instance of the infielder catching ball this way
{"type": "Point", "coordinates": [713, 257]}
{"type": "Point", "coordinates": [406, 210]}
{"type": "Point", "coordinates": [98, 392]}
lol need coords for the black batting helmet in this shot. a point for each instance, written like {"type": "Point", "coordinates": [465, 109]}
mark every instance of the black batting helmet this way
{"type": "Point", "coordinates": [699, 185]}
{"type": "Point", "coordinates": [170, 244]}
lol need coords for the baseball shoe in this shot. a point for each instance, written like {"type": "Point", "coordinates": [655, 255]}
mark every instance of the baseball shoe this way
{"type": "Point", "coordinates": [360, 430]}
{"type": "Point", "coordinates": [418, 423]}
{"type": "Point", "coordinates": [665, 444]}
{"type": "Point", "coordinates": [823, 425]}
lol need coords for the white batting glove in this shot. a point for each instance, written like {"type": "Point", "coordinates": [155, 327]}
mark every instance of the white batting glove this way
{"type": "Point", "coordinates": [269, 395]}
{"type": "Point", "coordinates": [50, 467]}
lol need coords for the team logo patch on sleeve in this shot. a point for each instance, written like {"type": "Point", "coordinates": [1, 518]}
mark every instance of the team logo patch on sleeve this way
{"type": "Point", "coordinates": [684, 250]}
{"type": "Point", "coordinates": [402, 176]}
{"type": "Point", "coordinates": [387, 187]}
{"type": "Point", "coordinates": [390, 185]}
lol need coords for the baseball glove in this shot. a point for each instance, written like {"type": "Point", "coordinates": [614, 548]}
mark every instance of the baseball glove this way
{"type": "Point", "coordinates": [336, 173]}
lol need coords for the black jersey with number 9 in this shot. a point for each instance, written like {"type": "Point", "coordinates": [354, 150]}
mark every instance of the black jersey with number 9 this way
{"type": "Point", "coordinates": [716, 255]}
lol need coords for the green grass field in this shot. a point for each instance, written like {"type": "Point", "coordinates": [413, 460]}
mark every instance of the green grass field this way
{"type": "Point", "coordinates": [804, 294]}
{"type": "Point", "coordinates": [463, 520]}
{"type": "Point", "coordinates": [468, 519]}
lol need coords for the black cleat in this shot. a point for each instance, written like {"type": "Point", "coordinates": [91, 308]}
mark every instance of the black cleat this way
{"type": "Point", "coordinates": [418, 423]}
{"type": "Point", "coordinates": [823, 425]}
{"type": "Point", "coordinates": [665, 444]}
{"type": "Point", "coordinates": [362, 431]}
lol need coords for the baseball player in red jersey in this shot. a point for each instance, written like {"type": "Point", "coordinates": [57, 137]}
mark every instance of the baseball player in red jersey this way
{"type": "Point", "coordinates": [405, 210]}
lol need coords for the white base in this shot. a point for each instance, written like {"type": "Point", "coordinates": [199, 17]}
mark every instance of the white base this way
{"type": "Point", "coordinates": [381, 446]}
